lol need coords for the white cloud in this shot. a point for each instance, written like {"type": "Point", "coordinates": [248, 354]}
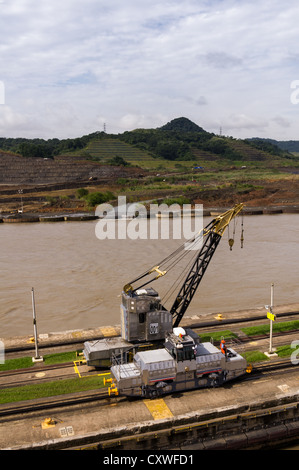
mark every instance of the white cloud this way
{"type": "Point", "coordinates": [11, 121]}
{"type": "Point", "coordinates": [243, 121]}
{"type": "Point", "coordinates": [281, 121]}
{"type": "Point", "coordinates": [70, 66]}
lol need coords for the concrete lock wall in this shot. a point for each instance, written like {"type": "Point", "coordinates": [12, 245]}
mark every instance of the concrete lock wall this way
{"type": "Point", "coordinates": [250, 429]}
{"type": "Point", "coordinates": [269, 424]}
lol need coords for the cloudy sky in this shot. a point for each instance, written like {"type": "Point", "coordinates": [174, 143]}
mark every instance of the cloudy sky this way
{"type": "Point", "coordinates": [69, 67]}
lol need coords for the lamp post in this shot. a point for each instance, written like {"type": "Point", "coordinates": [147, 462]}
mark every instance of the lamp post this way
{"type": "Point", "coordinates": [37, 357]}
{"type": "Point", "coordinates": [20, 191]}
{"type": "Point", "coordinates": [272, 318]}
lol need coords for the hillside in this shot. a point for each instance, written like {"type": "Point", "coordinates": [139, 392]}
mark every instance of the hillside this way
{"type": "Point", "coordinates": [105, 149]}
{"type": "Point", "coordinates": [178, 142]}
{"type": "Point", "coordinates": [182, 125]}
{"type": "Point", "coordinates": [179, 160]}
{"type": "Point", "coordinates": [18, 170]}
{"type": "Point", "coordinates": [181, 140]}
{"type": "Point", "coordinates": [285, 145]}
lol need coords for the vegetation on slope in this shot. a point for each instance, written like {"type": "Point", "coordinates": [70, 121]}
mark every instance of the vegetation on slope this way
{"type": "Point", "coordinates": [180, 140]}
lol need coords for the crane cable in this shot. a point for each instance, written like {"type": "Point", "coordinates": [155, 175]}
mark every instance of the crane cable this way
{"type": "Point", "coordinates": [242, 231]}
{"type": "Point", "coordinates": [179, 279]}
{"type": "Point", "coordinates": [231, 241]}
{"type": "Point", "coordinates": [180, 253]}
{"type": "Point", "coordinates": [167, 263]}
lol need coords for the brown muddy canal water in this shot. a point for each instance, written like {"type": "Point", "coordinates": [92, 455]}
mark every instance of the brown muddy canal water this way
{"type": "Point", "coordinates": [78, 278]}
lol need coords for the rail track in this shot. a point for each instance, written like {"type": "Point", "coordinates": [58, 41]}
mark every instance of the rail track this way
{"type": "Point", "coordinates": [276, 366]}
{"type": "Point", "coordinates": [62, 401]}
{"type": "Point", "coordinates": [34, 375]}
{"type": "Point", "coordinates": [76, 344]}
{"type": "Point", "coordinates": [231, 321]}
{"type": "Point", "coordinates": [101, 395]}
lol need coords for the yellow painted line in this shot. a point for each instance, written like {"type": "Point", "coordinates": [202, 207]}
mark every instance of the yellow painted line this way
{"type": "Point", "coordinates": [158, 408]}
{"type": "Point", "coordinates": [105, 373]}
{"type": "Point", "coordinates": [76, 368]}
{"type": "Point", "coordinates": [109, 331]}
{"type": "Point", "coordinates": [76, 334]}
{"type": "Point", "coordinates": [76, 363]}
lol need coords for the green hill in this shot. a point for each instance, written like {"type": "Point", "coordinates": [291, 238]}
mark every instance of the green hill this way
{"type": "Point", "coordinates": [182, 124]}
{"type": "Point", "coordinates": [286, 145]}
{"type": "Point", "coordinates": [178, 143]}
{"type": "Point", "coordinates": [183, 141]}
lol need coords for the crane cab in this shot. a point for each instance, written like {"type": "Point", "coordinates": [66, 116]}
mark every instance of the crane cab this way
{"type": "Point", "coordinates": [143, 318]}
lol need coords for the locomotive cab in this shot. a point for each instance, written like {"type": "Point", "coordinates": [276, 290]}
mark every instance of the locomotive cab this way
{"type": "Point", "coordinates": [182, 344]}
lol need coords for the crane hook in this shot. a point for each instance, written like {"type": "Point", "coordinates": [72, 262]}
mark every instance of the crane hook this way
{"type": "Point", "coordinates": [231, 242]}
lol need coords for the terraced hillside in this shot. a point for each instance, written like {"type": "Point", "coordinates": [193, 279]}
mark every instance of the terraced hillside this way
{"type": "Point", "coordinates": [204, 156]}
{"type": "Point", "coordinates": [252, 154]}
{"type": "Point", "coordinates": [244, 153]}
{"type": "Point", "coordinates": [105, 149]}
{"type": "Point", "coordinates": [172, 147]}
{"type": "Point", "coordinates": [16, 170]}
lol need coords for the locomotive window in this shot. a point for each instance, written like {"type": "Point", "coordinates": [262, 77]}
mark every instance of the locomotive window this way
{"type": "Point", "coordinates": [186, 354]}
{"type": "Point", "coordinates": [141, 317]}
{"type": "Point", "coordinates": [189, 353]}
{"type": "Point", "coordinates": [180, 355]}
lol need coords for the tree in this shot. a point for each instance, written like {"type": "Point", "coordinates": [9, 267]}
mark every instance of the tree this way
{"type": "Point", "coordinates": [94, 199]}
{"type": "Point", "coordinates": [118, 161]}
{"type": "Point", "coordinates": [28, 149]}
{"type": "Point", "coordinates": [167, 150]}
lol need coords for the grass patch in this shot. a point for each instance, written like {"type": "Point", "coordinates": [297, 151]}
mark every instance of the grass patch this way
{"type": "Point", "coordinates": [181, 200]}
{"type": "Point", "coordinates": [19, 363]}
{"type": "Point", "coordinates": [25, 362]}
{"type": "Point", "coordinates": [254, 356]}
{"type": "Point", "coordinates": [59, 358]}
{"type": "Point", "coordinates": [284, 351]}
{"type": "Point", "coordinates": [277, 327]}
{"type": "Point", "coordinates": [217, 336]}
{"type": "Point", "coordinates": [50, 389]}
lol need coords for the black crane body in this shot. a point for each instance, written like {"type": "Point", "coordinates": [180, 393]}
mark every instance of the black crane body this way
{"type": "Point", "coordinates": [144, 317]}
{"type": "Point", "coordinates": [194, 277]}
{"type": "Point", "coordinates": [210, 237]}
